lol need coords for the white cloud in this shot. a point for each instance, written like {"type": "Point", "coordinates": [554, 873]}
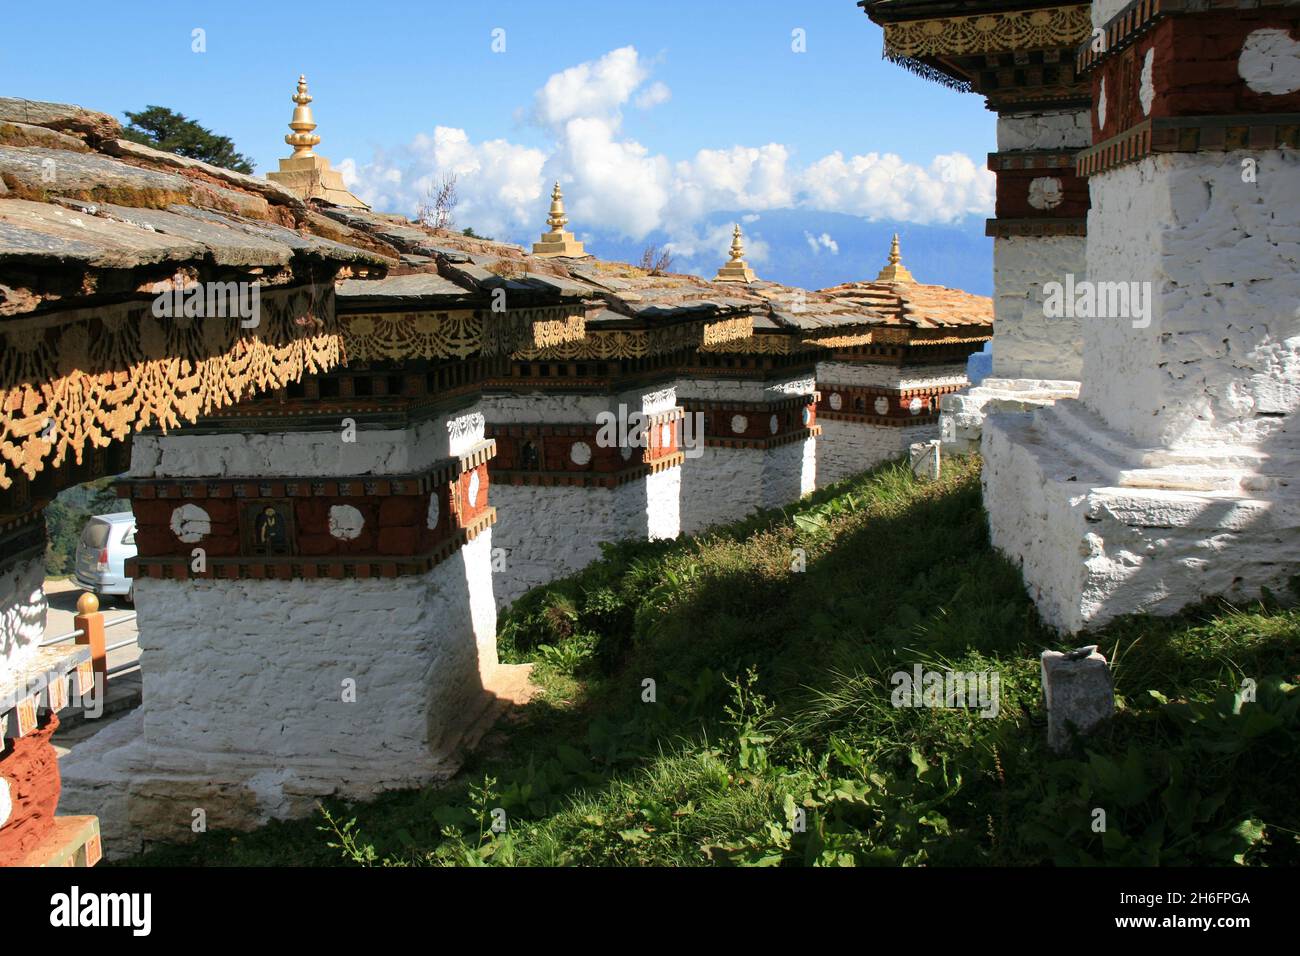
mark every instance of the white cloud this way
{"type": "Point", "coordinates": [597, 88]}
{"type": "Point", "coordinates": [613, 183]}
{"type": "Point", "coordinates": [824, 241]}
{"type": "Point", "coordinates": [653, 95]}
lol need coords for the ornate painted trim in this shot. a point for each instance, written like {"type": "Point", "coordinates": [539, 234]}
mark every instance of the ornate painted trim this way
{"type": "Point", "coordinates": [1012, 30]}
{"type": "Point", "coordinates": [1191, 134]}
{"type": "Point", "coordinates": [882, 406]}
{"type": "Point", "coordinates": [1034, 228]}
{"type": "Point", "coordinates": [308, 568]}
{"type": "Point", "coordinates": [89, 377]}
{"type": "Point", "coordinates": [459, 333]}
{"type": "Point", "coordinates": [570, 479]}
{"type": "Point", "coordinates": [288, 527]}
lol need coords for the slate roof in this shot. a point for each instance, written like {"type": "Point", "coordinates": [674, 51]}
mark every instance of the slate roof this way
{"type": "Point", "coordinates": [76, 196]}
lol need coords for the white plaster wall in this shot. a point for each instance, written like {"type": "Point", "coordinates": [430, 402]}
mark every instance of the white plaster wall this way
{"type": "Point", "coordinates": [721, 486]}
{"type": "Point", "coordinates": [257, 667]}
{"type": "Point", "coordinates": [830, 374]}
{"type": "Point", "coordinates": [550, 408]}
{"type": "Point", "coordinates": [244, 713]}
{"type": "Point", "coordinates": [1090, 553]}
{"type": "Point", "coordinates": [744, 390]}
{"type": "Point", "coordinates": [548, 533]}
{"type": "Point", "coordinates": [653, 507]}
{"type": "Point", "coordinates": [1060, 129]}
{"type": "Point", "coordinates": [22, 613]}
{"type": "Point", "coordinates": [1219, 362]}
{"type": "Point", "coordinates": [1027, 344]}
{"type": "Point", "coordinates": [850, 448]}
{"type": "Point", "coordinates": [307, 453]}
{"type": "Point", "coordinates": [789, 472]}
{"type": "Point", "coordinates": [1104, 10]}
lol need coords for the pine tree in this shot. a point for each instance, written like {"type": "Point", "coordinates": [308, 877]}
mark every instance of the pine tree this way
{"type": "Point", "coordinates": [173, 132]}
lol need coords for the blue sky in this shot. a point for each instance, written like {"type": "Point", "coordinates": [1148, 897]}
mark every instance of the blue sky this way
{"type": "Point", "coordinates": [655, 113]}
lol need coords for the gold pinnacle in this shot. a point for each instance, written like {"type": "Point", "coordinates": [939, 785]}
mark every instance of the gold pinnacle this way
{"type": "Point", "coordinates": [557, 220]}
{"type": "Point", "coordinates": [302, 139]}
{"type": "Point", "coordinates": [895, 271]}
{"type": "Point", "coordinates": [736, 270]}
{"type": "Point", "coordinates": [737, 245]}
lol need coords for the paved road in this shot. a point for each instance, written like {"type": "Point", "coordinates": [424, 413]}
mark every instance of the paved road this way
{"type": "Point", "coordinates": [63, 595]}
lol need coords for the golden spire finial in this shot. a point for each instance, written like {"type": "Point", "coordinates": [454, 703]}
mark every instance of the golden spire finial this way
{"type": "Point", "coordinates": [895, 271]}
{"type": "Point", "coordinates": [302, 139]}
{"type": "Point", "coordinates": [736, 270]}
{"type": "Point", "coordinates": [557, 220]}
{"type": "Point", "coordinates": [557, 243]}
{"type": "Point", "coordinates": [737, 245]}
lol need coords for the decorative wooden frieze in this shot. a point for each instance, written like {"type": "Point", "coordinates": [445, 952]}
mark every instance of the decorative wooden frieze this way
{"type": "Point", "coordinates": [887, 407]}
{"type": "Point", "coordinates": [1038, 186]}
{"type": "Point", "coordinates": [619, 344]}
{"type": "Point", "coordinates": [765, 343]}
{"type": "Point", "coordinates": [287, 528]}
{"type": "Point", "coordinates": [1193, 77]}
{"type": "Point", "coordinates": [587, 454]}
{"type": "Point", "coordinates": [459, 333]}
{"type": "Point", "coordinates": [1007, 30]}
{"type": "Point", "coordinates": [79, 379]}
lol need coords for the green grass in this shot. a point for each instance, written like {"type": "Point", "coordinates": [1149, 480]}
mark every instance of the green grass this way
{"type": "Point", "coordinates": [772, 739]}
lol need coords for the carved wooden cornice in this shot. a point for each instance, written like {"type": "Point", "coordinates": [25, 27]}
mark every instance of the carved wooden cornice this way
{"type": "Point", "coordinates": [995, 32]}
{"type": "Point", "coordinates": [459, 333]}
{"type": "Point", "coordinates": [83, 379]}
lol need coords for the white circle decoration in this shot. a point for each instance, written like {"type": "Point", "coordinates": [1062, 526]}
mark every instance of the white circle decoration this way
{"type": "Point", "coordinates": [473, 489]}
{"type": "Point", "coordinates": [774, 426]}
{"type": "Point", "coordinates": [1147, 86]}
{"type": "Point", "coordinates": [434, 512]}
{"type": "Point", "coordinates": [914, 406]}
{"type": "Point", "coordinates": [836, 401]}
{"type": "Point", "coordinates": [739, 423]}
{"type": "Point", "coordinates": [666, 436]}
{"type": "Point", "coordinates": [346, 522]}
{"type": "Point", "coordinates": [1101, 105]}
{"type": "Point", "coordinates": [580, 453]}
{"type": "Point", "coordinates": [6, 801]}
{"type": "Point", "coordinates": [191, 524]}
{"type": "Point", "coordinates": [882, 405]}
{"type": "Point", "coordinates": [1046, 192]}
{"type": "Point", "coordinates": [1270, 62]}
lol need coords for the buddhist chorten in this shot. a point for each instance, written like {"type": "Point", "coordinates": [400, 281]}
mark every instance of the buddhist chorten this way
{"type": "Point", "coordinates": [895, 271]}
{"type": "Point", "coordinates": [737, 270]}
{"type": "Point", "coordinates": [557, 243]}
{"type": "Point", "coordinates": [305, 173]}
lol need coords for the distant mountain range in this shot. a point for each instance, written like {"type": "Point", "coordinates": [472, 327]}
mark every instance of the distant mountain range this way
{"type": "Point", "coordinates": [848, 248]}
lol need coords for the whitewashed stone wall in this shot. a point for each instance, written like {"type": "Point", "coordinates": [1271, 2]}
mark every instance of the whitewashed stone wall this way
{"type": "Point", "coordinates": [721, 486]}
{"type": "Point", "coordinates": [22, 613]}
{"type": "Point", "coordinates": [830, 374]}
{"type": "Point", "coordinates": [850, 448]}
{"type": "Point", "coordinates": [1105, 10]}
{"type": "Point", "coordinates": [1092, 550]}
{"type": "Point", "coordinates": [744, 390]}
{"type": "Point", "coordinates": [246, 712]}
{"type": "Point", "coordinates": [1027, 344]}
{"type": "Point", "coordinates": [726, 484]}
{"type": "Point", "coordinates": [1060, 129]}
{"type": "Point", "coordinates": [554, 532]}
{"type": "Point", "coordinates": [547, 533]}
{"type": "Point", "coordinates": [1219, 363]}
